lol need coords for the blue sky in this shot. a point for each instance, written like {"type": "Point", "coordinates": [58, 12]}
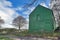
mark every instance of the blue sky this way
{"type": "Point", "coordinates": [9, 9]}
{"type": "Point", "coordinates": [17, 3]}
{"type": "Point", "coordinates": [21, 3]}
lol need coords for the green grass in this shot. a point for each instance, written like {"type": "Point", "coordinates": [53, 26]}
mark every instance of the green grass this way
{"type": "Point", "coordinates": [16, 32]}
{"type": "Point", "coordinates": [5, 38]}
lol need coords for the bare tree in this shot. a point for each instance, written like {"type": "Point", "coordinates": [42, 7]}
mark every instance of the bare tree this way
{"type": "Point", "coordinates": [1, 21]}
{"type": "Point", "coordinates": [55, 6]}
{"type": "Point", "coordinates": [19, 22]}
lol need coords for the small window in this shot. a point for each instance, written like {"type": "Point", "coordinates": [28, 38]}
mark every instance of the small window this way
{"type": "Point", "coordinates": [38, 17]}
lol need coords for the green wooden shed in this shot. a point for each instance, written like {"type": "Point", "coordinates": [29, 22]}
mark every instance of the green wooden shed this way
{"type": "Point", "coordinates": [41, 20]}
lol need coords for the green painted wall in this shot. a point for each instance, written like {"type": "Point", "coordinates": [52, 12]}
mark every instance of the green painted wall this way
{"type": "Point", "coordinates": [41, 20]}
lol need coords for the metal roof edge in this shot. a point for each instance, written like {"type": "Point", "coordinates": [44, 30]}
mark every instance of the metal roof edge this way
{"type": "Point", "coordinates": [39, 6]}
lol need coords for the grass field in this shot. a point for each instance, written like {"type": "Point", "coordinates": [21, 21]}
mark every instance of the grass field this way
{"type": "Point", "coordinates": [16, 32]}
{"type": "Point", "coordinates": [5, 38]}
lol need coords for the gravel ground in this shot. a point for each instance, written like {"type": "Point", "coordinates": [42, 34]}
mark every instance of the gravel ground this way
{"type": "Point", "coordinates": [25, 38]}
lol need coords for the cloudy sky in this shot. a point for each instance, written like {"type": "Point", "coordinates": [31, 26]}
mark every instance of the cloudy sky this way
{"type": "Point", "coordinates": [9, 9]}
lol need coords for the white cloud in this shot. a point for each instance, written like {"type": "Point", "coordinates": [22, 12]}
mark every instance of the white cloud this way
{"type": "Point", "coordinates": [18, 8]}
{"type": "Point", "coordinates": [3, 15]}
{"type": "Point", "coordinates": [27, 13]}
{"type": "Point", "coordinates": [26, 26]}
{"type": "Point", "coordinates": [7, 13]}
{"type": "Point", "coordinates": [7, 26]}
{"type": "Point", "coordinates": [30, 9]}
{"type": "Point", "coordinates": [43, 4]}
{"type": "Point", "coordinates": [5, 3]}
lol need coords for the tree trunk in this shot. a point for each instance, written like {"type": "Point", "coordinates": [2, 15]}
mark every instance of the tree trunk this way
{"type": "Point", "coordinates": [19, 28]}
{"type": "Point", "coordinates": [0, 25]}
